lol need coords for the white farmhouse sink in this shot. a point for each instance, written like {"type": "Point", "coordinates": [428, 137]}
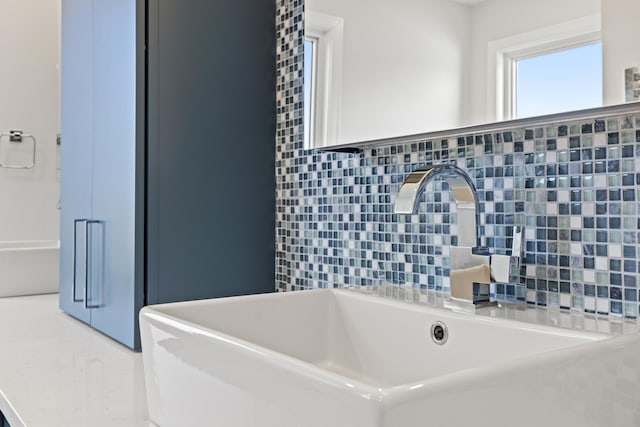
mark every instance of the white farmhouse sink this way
{"type": "Point", "coordinates": [337, 358]}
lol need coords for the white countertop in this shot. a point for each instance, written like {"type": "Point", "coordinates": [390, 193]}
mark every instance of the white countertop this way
{"type": "Point", "coordinates": [522, 312]}
{"type": "Point", "coordinates": [56, 371]}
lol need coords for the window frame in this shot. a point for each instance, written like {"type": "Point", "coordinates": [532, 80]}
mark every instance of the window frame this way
{"type": "Point", "coordinates": [504, 53]}
{"type": "Point", "coordinates": [328, 33]}
{"type": "Point", "coordinates": [310, 98]}
{"type": "Point", "coordinates": [512, 91]}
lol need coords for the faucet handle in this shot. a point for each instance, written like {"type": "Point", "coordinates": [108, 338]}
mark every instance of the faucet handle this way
{"type": "Point", "coordinates": [504, 268]}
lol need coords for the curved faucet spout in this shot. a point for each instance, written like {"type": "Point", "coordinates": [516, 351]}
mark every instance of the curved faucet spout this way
{"type": "Point", "coordinates": [463, 191]}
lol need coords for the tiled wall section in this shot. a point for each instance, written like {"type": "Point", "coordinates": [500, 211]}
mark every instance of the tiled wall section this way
{"type": "Point", "coordinates": [573, 186]}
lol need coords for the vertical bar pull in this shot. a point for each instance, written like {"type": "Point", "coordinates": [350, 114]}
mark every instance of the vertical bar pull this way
{"type": "Point", "coordinates": [87, 263]}
{"type": "Point", "coordinates": [75, 259]}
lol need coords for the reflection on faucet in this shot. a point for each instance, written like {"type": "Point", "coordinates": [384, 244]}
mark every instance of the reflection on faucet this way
{"type": "Point", "coordinates": [463, 191]}
{"type": "Point", "coordinates": [473, 269]}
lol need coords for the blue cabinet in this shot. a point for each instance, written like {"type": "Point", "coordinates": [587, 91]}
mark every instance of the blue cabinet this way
{"type": "Point", "coordinates": [77, 83]}
{"type": "Point", "coordinates": [99, 166]}
{"type": "Point", "coordinates": [168, 137]}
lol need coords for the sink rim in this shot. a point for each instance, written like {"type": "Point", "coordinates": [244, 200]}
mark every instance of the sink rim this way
{"type": "Point", "coordinates": [366, 390]}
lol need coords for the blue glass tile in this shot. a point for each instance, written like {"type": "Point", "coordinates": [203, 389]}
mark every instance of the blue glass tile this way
{"type": "Point", "coordinates": [574, 155]}
{"type": "Point", "coordinates": [551, 182]}
{"type": "Point", "coordinates": [629, 266]}
{"type": "Point", "coordinates": [603, 291]}
{"type": "Point", "coordinates": [575, 181]}
{"type": "Point", "coordinates": [541, 298]}
{"type": "Point", "coordinates": [629, 281]}
{"type": "Point", "coordinates": [563, 130]}
{"type": "Point", "coordinates": [615, 265]}
{"type": "Point", "coordinates": [615, 223]}
{"type": "Point", "coordinates": [576, 196]}
{"type": "Point", "coordinates": [576, 208]}
{"type": "Point", "coordinates": [600, 153]}
{"type": "Point", "coordinates": [628, 179]}
{"type": "Point", "coordinates": [629, 251]}
{"type": "Point", "coordinates": [616, 307]}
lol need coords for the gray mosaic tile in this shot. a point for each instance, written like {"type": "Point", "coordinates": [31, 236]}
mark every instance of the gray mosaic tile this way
{"type": "Point", "coordinates": [573, 186]}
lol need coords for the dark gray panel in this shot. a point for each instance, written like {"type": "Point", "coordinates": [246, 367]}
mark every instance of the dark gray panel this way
{"type": "Point", "coordinates": [211, 163]}
{"type": "Point", "coordinates": [140, 165]}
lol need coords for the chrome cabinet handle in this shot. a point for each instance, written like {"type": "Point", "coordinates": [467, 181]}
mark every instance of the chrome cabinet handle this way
{"type": "Point", "coordinates": [86, 263]}
{"type": "Point", "coordinates": [75, 258]}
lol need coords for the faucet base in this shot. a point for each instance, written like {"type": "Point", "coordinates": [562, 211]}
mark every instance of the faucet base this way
{"type": "Point", "coordinates": [471, 283]}
{"type": "Point", "coordinates": [465, 306]}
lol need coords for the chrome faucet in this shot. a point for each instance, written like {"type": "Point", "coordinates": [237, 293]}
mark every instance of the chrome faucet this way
{"type": "Point", "coordinates": [463, 191]}
{"type": "Point", "coordinates": [473, 268]}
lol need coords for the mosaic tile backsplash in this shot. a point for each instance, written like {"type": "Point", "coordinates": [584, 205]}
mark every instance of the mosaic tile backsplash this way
{"type": "Point", "coordinates": [574, 187]}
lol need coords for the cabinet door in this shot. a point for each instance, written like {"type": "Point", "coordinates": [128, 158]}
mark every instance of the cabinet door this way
{"type": "Point", "coordinates": [76, 151]}
{"type": "Point", "coordinates": [211, 180]}
{"type": "Point", "coordinates": [112, 239]}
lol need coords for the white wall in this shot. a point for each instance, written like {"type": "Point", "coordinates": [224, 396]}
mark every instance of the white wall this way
{"type": "Point", "coordinates": [621, 44]}
{"type": "Point", "coordinates": [496, 19]}
{"type": "Point", "coordinates": [404, 64]}
{"type": "Point", "coordinates": [29, 101]}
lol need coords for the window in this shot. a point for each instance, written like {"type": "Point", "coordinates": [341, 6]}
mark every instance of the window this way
{"type": "Point", "coordinates": [310, 49]}
{"type": "Point", "coordinates": [561, 80]}
{"type": "Point", "coordinates": [545, 71]}
{"type": "Point", "coordinates": [322, 78]}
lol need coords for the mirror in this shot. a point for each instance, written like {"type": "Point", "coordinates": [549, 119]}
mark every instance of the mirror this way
{"type": "Point", "coordinates": [376, 69]}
